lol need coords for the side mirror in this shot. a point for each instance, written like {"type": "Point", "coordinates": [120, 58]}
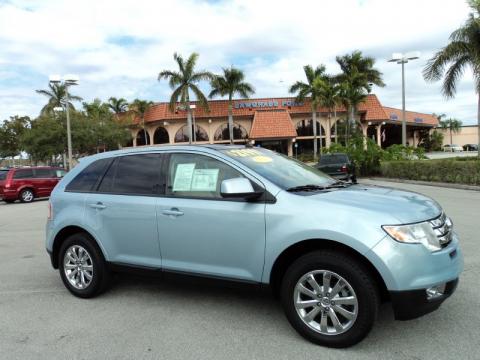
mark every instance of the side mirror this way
{"type": "Point", "coordinates": [238, 188]}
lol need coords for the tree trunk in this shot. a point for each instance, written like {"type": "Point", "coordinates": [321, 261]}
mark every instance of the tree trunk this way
{"type": "Point", "coordinates": [230, 121]}
{"type": "Point", "coordinates": [144, 131]}
{"type": "Point", "coordinates": [314, 125]}
{"type": "Point", "coordinates": [335, 116]}
{"type": "Point", "coordinates": [451, 140]}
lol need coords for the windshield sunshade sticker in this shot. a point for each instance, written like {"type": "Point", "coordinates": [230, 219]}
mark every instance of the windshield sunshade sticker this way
{"type": "Point", "coordinates": [244, 152]}
{"type": "Point", "coordinates": [262, 159]}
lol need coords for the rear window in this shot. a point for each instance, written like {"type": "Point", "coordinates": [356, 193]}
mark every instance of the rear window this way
{"type": "Point", "coordinates": [23, 174]}
{"type": "Point", "coordinates": [88, 177]}
{"type": "Point", "coordinates": [333, 159]}
{"type": "Point", "coordinates": [3, 174]}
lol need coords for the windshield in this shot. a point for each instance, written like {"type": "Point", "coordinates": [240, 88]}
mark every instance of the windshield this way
{"type": "Point", "coordinates": [279, 169]}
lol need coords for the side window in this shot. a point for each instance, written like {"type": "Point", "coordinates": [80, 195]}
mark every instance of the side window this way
{"type": "Point", "coordinates": [23, 174]}
{"type": "Point", "coordinates": [88, 177]}
{"type": "Point", "coordinates": [197, 176]}
{"type": "Point", "coordinates": [133, 174]}
{"type": "Point", "coordinates": [43, 173]}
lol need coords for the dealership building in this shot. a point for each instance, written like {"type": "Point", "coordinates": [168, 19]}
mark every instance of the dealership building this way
{"type": "Point", "coordinates": [280, 124]}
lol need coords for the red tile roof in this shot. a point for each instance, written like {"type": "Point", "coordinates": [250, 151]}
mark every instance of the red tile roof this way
{"type": "Point", "coordinates": [370, 110]}
{"type": "Point", "coordinates": [410, 116]}
{"type": "Point", "coordinates": [272, 124]}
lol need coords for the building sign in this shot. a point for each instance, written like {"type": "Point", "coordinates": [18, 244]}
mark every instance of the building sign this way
{"type": "Point", "coordinates": [266, 104]}
{"type": "Point", "coordinates": [418, 120]}
{"type": "Point", "coordinates": [393, 117]}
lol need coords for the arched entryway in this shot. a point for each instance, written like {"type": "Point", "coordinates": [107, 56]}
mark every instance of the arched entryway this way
{"type": "Point", "coordinates": [182, 134]}
{"type": "Point", "coordinates": [222, 133]}
{"type": "Point", "coordinates": [143, 138]}
{"type": "Point", "coordinates": [160, 136]}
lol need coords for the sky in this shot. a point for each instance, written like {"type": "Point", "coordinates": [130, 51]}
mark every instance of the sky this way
{"type": "Point", "coordinates": [117, 48]}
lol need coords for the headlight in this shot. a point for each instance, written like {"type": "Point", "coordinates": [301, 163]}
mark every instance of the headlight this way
{"type": "Point", "coordinates": [421, 233]}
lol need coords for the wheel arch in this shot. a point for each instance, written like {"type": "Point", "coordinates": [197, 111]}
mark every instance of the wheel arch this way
{"type": "Point", "coordinates": [293, 252]}
{"type": "Point", "coordinates": [63, 234]}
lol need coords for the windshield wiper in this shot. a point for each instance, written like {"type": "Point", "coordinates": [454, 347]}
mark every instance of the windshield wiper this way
{"type": "Point", "coordinates": [307, 187]}
{"type": "Point", "coordinates": [338, 184]}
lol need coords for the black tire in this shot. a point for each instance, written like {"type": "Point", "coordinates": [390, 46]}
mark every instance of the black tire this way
{"type": "Point", "coordinates": [26, 196]}
{"type": "Point", "coordinates": [101, 273]}
{"type": "Point", "coordinates": [355, 274]}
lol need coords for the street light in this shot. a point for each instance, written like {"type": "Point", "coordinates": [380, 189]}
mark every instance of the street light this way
{"type": "Point", "coordinates": [402, 59]}
{"type": "Point", "coordinates": [69, 79]}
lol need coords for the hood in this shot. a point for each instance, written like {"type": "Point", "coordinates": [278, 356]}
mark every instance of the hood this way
{"type": "Point", "coordinates": [405, 206]}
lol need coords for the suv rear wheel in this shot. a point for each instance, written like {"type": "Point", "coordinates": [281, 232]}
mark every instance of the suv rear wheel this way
{"type": "Point", "coordinates": [330, 298]}
{"type": "Point", "coordinates": [82, 266]}
{"type": "Point", "coordinates": [26, 196]}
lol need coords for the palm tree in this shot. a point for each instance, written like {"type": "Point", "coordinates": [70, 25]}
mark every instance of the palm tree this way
{"type": "Point", "coordinates": [140, 108]}
{"type": "Point", "coordinates": [230, 83]}
{"type": "Point", "coordinates": [329, 96]}
{"type": "Point", "coordinates": [184, 80]}
{"type": "Point", "coordinates": [357, 78]}
{"type": "Point", "coordinates": [453, 125]}
{"type": "Point", "coordinates": [463, 51]}
{"type": "Point", "coordinates": [57, 95]}
{"type": "Point", "coordinates": [117, 105]}
{"type": "Point", "coordinates": [310, 89]}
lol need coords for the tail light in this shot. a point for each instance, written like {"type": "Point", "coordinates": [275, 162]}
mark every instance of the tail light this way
{"type": "Point", "coordinates": [50, 211]}
{"type": "Point", "coordinates": [8, 184]}
{"type": "Point", "coordinates": [344, 169]}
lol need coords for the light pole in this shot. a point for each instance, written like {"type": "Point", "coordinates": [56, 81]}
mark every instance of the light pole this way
{"type": "Point", "coordinates": [402, 59]}
{"type": "Point", "coordinates": [68, 80]}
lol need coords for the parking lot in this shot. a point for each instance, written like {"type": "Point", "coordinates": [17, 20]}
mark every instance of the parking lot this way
{"type": "Point", "coordinates": [188, 319]}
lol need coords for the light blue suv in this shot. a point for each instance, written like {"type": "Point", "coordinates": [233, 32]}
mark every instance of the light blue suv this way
{"type": "Point", "coordinates": [332, 251]}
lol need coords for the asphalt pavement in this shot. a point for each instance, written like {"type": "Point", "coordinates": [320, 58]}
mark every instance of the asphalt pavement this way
{"type": "Point", "coordinates": [149, 318]}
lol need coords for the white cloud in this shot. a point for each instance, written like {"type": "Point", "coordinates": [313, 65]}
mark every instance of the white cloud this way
{"type": "Point", "coordinates": [118, 47]}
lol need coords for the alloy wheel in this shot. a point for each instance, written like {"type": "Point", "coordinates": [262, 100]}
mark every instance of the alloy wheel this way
{"type": "Point", "coordinates": [325, 302]}
{"type": "Point", "coordinates": [27, 196]}
{"type": "Point", "coordinates": [78, 267]}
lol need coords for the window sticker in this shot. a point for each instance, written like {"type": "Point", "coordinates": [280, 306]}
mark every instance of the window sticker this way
{"type": "Point", "coordinates": [205, 180]}
{"type": "Point", "coordinates": [183, 177]}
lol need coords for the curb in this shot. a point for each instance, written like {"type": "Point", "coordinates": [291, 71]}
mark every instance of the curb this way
{"type": "Point", "coordinates": [427, 183]}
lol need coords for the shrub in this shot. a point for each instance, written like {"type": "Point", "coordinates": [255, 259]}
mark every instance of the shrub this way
{"type": "Point", "coordinates": [442, 170]}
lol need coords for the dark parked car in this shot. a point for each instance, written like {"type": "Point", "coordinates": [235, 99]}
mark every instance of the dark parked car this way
{"type": "Point", "coordinates": [470, 147]}
{"type": "Point", "coordinates": [25, 184]}
{"type": "Point", "coordinates": [337, 165]}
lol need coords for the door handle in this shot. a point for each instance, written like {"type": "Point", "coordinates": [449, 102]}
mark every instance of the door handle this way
{"type": "Point", "coordinates": [172, 212]}
{"type": "Point", "coordinates": [98, 206]}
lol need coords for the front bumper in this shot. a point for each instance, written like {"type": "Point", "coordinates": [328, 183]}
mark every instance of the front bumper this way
{"type": "Point", "coordinates": [414, 303]}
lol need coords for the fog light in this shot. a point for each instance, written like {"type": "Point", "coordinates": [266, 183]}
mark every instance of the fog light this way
{"type": "Point", "coordinates": [435, 291]}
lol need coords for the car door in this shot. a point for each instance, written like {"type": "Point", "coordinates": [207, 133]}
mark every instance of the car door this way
{"type": "Point", "coordinates": [122, 210]}
{"type": "Point", "coordinates": [201, 232]}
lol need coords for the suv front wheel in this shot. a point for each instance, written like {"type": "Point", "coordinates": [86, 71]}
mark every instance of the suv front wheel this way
{"type": "Point", "coordinates": [330, 298]}
{"type": "Point", "coordinates": [82, 266]}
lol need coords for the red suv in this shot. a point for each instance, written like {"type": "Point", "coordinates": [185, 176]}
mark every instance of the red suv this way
{"type": "Point", "coordinates": [25, 184]}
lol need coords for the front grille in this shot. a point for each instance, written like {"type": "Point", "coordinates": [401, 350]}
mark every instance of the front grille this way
{"type": "Point", "coordinates": [443, 228]}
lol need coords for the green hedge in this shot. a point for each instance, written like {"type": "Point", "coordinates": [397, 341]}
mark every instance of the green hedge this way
{"type": "Point", "coordinates": [444, 170]}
